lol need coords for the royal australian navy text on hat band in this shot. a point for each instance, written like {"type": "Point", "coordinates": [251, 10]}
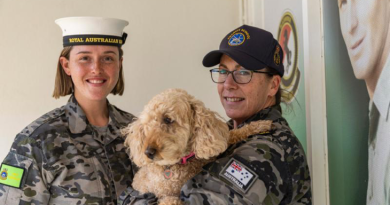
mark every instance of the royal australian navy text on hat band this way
{"type": "Point", "coordinates": [93, 40]}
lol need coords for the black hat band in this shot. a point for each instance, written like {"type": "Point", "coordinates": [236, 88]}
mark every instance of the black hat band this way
{"type": "Point", "coordinates": [74, 40]}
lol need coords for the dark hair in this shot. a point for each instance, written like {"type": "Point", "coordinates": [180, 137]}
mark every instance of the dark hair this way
{"type": "Point", "coordinates": [63, 85]}
{"type": "Point", "coordinates": [278, 96]}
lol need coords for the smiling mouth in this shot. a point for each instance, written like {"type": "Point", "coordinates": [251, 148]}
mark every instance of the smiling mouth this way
{"type": "Point", "coordinates": [234, 99]}
{"type": "Point", "coordinates": [96, 81]}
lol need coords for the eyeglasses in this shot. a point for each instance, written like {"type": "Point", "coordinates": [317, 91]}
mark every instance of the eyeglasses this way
{"type": "Point", "coordinates": [239, 76]}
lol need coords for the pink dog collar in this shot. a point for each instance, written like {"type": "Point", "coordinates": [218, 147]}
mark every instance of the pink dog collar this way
{"type": "Point", "coordinates": [185, 159]}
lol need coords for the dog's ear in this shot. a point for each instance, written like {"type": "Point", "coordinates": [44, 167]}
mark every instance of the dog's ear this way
{"type": "Point", "coordinates": [210, 133]}
{"type": "Point", "coordinates": [134, 139]}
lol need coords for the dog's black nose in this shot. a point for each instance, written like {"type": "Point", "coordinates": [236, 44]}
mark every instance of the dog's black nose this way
{"type": "Point", "coordinates": [150, 152]}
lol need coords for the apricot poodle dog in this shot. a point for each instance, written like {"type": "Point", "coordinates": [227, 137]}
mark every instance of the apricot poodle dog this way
{"type": "Point", "coordinates": [174, 136]}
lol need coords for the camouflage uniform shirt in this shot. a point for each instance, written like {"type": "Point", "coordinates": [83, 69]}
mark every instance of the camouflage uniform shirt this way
{"type": "Point", "coordinates": [66, 161]}
{"type": "Point", "coordinates": [266, 169]}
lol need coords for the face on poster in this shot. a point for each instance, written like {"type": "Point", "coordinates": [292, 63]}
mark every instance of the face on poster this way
{"type": "Point", "coordinates": [365, 29]}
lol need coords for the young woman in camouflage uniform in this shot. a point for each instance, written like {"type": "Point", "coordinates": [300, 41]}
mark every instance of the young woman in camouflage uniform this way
{"type": "Point", "coordinates": [267, 168]}
{"type": "Point", "coordinates": [75, 154]}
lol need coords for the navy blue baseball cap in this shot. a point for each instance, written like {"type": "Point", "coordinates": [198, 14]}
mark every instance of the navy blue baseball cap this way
{"type": "Point", "coordinates": [253, 48]}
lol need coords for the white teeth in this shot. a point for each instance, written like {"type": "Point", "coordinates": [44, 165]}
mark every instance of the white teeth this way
{"type": "Point", "coordinates": [96, 81]}
{"type": "Point", "coordinates": [234, 99]}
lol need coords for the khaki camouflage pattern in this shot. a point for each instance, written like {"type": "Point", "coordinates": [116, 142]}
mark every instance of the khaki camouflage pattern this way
{"type": "Point", "coordinates": [133, 197]}
{"type": "Point", "coordinates": [68, 162]}
{"type": "Point", "coordinates": [277, 158]}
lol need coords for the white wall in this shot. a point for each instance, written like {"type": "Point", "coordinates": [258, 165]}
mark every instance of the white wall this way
{"type": "Point", "coordinates": [167, 41]}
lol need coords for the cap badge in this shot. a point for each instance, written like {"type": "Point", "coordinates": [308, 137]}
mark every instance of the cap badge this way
{"type": "Point", "coordinates": [236, 39]}
{"type": "Point", "coordinates": [277, 56]}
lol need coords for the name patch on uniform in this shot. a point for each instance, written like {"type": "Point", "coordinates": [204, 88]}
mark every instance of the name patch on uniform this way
{"type": "Point", "coordinates": [11, 176]}
{"type": "Point", "coordinates": [239, 175]}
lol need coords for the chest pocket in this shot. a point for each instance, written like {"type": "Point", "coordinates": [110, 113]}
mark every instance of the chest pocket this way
{"type": "Point", "coordinates": [81, 181]}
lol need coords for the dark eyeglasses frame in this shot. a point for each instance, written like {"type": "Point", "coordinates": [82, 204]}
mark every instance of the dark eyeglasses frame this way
{"type": "Point", "coordinates": [216, 70]}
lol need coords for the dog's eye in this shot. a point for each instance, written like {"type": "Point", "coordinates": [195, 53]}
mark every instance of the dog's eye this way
{"type": "Point", "coordinates": [167, 120]}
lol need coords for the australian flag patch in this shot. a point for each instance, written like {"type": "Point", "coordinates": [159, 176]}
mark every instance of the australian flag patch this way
{"type": "Point", "coordinates": [239, 175]}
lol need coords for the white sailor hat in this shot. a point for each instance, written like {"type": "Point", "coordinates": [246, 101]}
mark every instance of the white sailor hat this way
{"type": "Point", "coordinates": [92, 31]}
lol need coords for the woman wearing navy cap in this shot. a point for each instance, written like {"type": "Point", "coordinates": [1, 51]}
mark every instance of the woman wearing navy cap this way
{"type": "Point", "coordinates": [267, 168]}
{"type": "Point", "coordinates": [75, 154]}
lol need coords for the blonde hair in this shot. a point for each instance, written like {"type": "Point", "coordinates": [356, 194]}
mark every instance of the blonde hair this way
{"type": "Point", "coordinates": [63, 85]}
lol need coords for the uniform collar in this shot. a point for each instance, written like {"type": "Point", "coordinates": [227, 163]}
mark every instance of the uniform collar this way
{"type": "Point", "coordinates": [382, 91]}
{"type": "Point", "coordinates": [269, 113]}
{"type": "Point", "coordinates": [78, 122]}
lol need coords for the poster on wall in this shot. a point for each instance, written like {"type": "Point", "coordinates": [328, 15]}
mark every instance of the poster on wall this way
{"type": "Point", "coordinates": [357, 88]}
{"type": "Point", "coordinates": [283, 18]}
{"type": "Point", "coordinates": [365, 31]}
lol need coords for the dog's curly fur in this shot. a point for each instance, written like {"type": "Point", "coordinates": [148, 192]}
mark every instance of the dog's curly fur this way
{"type": "Point", "coordinates": [174, 124]}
